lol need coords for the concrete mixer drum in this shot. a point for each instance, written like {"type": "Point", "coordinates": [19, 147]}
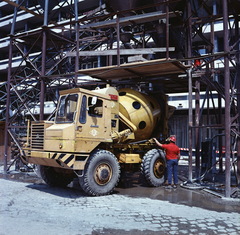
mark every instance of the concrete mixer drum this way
{"type": "Point", "coordinates": [141, 110]}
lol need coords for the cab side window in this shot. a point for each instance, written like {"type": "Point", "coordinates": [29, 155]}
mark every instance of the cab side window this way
{"type": "Point", "coordinates": [83, 110]}
{"type": "Point", "coordinates": [95, 108]}
{"type": "Point", "coordinates": [67, 109]}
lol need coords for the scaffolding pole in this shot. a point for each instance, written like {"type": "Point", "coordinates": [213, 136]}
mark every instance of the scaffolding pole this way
{"type": "Point", "coordinates": [44, 52]}
{"type": "Point", "coordinates": [190, 126]}
{"type": "Point", "coordinates": [238, 95]}
{"type": "Point", "coordinates": [197, 129]}
{"type": "Point", "coordinates": [190, 110]}
{"type": "Point", "coordinates": [6, 137]}
{"type": "Point", "coordinates": [77, 42]}
{"type": "Point", "coordinates": [227, 102]}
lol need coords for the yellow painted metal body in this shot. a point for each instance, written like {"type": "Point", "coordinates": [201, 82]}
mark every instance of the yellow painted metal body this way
{"type": "Point", "coordinates": [129, 158]}
{"type": "Point", "coordinates": [122, 117]}
{"type": "Point", "coordinates": [141, 110]}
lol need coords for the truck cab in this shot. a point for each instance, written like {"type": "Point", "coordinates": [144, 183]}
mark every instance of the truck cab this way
{"type": "Point", "coordinates": [83, 120]}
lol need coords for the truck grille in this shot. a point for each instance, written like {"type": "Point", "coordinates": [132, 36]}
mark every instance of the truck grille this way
{"type": "Point", "coordinates": [37, 135]}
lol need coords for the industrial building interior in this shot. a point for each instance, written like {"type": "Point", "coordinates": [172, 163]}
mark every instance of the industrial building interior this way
{"type": "Point", "coordinates": [159, 46]}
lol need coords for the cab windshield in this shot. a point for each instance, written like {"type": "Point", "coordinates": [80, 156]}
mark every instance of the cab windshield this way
{"type": "Point", "coordinates": [67, 109]}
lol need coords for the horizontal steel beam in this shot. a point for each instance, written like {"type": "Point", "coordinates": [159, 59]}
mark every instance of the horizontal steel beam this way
{"type": "Point", "coordinates": [23, 8]}
{"type": "Point", "coordinates": [122, 52]}
{"type": "Point", "coordinates": [136, 19]}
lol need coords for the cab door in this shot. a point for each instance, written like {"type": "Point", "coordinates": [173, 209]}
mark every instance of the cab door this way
{"type": "Point", "coordinates": [94, 124]}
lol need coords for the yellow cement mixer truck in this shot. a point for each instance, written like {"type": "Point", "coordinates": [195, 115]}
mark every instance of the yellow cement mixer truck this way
{"type": "Point", "coordinates": [95, 134]}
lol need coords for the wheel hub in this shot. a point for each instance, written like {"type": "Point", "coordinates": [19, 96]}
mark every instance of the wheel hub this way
{"type": "Point", "coordinates": [159, 168]}
{"type": "Point", "coordinates": [103, 174]}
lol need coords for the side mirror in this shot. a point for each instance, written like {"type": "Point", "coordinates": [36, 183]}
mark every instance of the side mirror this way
{"type": "Point", "coordinates": [94, 100]}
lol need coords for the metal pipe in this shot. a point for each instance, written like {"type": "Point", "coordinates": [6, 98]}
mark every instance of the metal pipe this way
{"type": "Point", "coordinates": [227, 101]}
{"type": "Point", "coordinates": [118, 41]}
{"type": "Point", "coordinates": [45, 20]}
{"type": "Point", "coordinates": [14, 19]}
{"type": "Point", "coordinates": [167, 31]}
{"type": "Point", "coordinates": [28, 133]}
{"type": "Point", "coordinates": [208, 113]}
{"type": "Point", "coordinates": [220, 132]}
{"type": "Point", "coordinates": [190, 124]}
{"type": "Point", "coordinates": [42, 81]}
{"type": "Point", "coordinates": [77, 41]}
{"type": "Point", "coordinates": [44, 52]}
{"type": "Point", "coordinates": [238, 93]}
{"type": "Point", "coordinates": [190, 111]}
{"type": "Point", "coordinates": [189, 33]}
{"type": "Point", "coordinates": [215, 42]}
{"type": "Point", "coordinates": [215, 49]}
{"type": "Point", "coordinates": [6, 140]}
{"type": "Point", "coordinates": [7, 121]}
{"type": "Point", "coordinates": [197, 130]}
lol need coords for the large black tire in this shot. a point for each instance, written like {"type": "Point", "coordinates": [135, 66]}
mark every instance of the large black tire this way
{"type": "Point", "coordinates": [55, 177]}
{"type": "Point", "coordinates": [101, 173]}
{"type": "Point", "coordinates": [153, 167]}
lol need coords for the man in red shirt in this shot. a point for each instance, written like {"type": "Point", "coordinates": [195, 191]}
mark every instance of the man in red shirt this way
{"type": "Point", "coordinates": [172, 157]}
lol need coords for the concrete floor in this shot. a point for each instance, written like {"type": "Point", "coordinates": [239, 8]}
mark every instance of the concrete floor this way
{"type": "Point", "coordinates": [29, 206]}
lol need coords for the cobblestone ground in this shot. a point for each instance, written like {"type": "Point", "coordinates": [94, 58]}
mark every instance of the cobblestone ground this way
{"type": "Point", "coordinates": [27, 208]}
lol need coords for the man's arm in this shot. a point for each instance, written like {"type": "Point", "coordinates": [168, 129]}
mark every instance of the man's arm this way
{"type": "Point", "coordinates": [159, 144]}
{"type": "Point", "coordinates": [178, 156]}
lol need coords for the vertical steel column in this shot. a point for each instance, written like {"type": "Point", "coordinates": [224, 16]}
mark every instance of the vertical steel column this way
{"type": "Point", "coordinates": [109, 46]}
{"type": "Point", "coordinates": [14, 19]}
{"type": "Point", "coordinates": [6, 142]}
{"type": "Point", "coordinates": [118, 41]}
{"type": "Point", "coordinates": [7, 121]}
{"type": "Point", "coordinates": [190, 125]}
{"type": "Point", "coordinates": [190, 111]}
{"type": "Point", "coordinates": [44, 52]}
{"type": "Point", "coordinates": [197, 132]}
{"type": "Point", "coordinates": [220, 132]}
{"type": "Point", "coordinates": [215, 43]}
{"type": "Point", "coordinates": [238, 94]}
{"type": "Point", "coordinates": [227, 102]}
{"type": "Point", "coordinates": [42, 94]}
{"type": "Point", "coordinates": [208, 113]}
{"type": "Point", "coordinates": [167, 31]}
{"type": "Point", "coordinates": [215, 50]}
{"type": "Point", "coordinates": [77, 41]}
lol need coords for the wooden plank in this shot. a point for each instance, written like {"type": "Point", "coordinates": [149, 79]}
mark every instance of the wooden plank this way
{"type": "Point", "coordinates": [152, 68]}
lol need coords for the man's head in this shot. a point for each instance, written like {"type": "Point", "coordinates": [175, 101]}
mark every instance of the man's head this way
{"type": "Point", "coordinates": [172, 139]}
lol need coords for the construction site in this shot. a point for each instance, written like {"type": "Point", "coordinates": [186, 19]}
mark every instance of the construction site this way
{"type": "Point", "coordinates": [181, 58]}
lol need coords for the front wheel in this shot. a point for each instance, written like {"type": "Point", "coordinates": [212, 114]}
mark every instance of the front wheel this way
{"type": "Point", "coordinates": [101, 173]}
{"type": "Point", "coordinates": [54, 176]}
{"type": "Point", "coordinates": [153, 167]}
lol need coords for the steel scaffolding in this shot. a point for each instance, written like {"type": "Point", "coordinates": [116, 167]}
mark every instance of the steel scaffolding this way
{"type": "Point", "coordinates": [56, 53]}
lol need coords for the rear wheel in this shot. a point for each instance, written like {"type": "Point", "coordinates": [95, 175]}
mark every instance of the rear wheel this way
{"type": "Point", "coordinates": [153, 167]}
{"type": "Point", "coordinates": [101, 173]}
{"type": "Point", "coordinates": [55, 176]}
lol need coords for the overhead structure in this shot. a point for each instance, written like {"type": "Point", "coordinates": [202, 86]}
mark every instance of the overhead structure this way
{"type": "Point", "coordinates": [173, 46]}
